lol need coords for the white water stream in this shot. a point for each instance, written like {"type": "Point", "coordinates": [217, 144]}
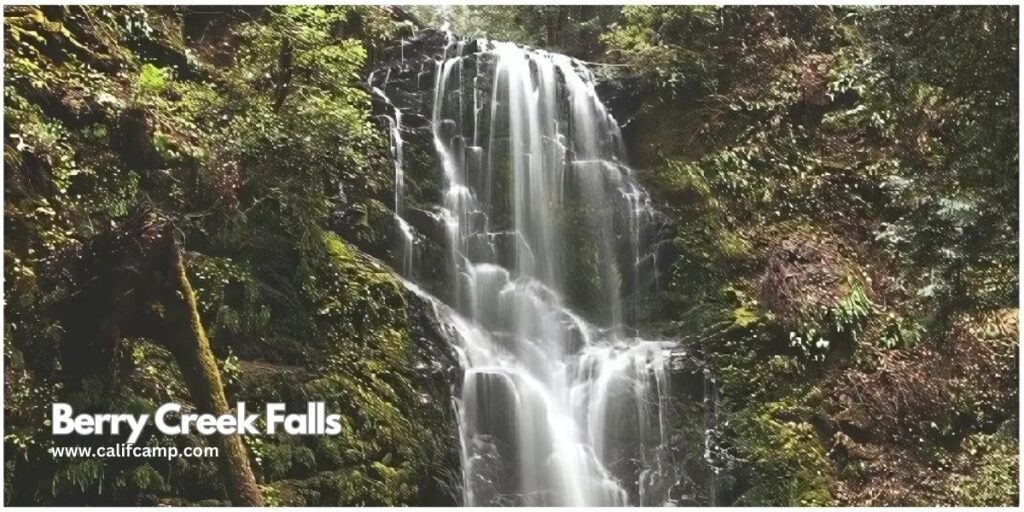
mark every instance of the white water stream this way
{"type": "Point", "coordinates": [559, 405]}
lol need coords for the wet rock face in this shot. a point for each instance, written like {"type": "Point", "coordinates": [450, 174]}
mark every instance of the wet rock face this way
{"type": "Point", "coordinates": [478, 131]}
{"type": "Point", "coordinates": [515, 206]}
{"type": "Point", "coordinates": [403, 83]}
{"type": "Point", "coordinates": [438, 368]}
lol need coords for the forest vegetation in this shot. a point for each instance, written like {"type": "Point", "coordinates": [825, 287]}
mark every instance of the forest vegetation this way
{"type": "Point", "coordinates": [197, 209]}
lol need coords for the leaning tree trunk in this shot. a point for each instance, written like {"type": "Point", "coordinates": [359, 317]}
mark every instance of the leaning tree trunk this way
{"type": "Point", "coordinates": [187, 341]}
{"type": "Point", "coordinates": [133, 284]}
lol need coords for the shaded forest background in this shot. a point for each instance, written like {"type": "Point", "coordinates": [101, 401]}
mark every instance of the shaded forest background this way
{"type": "Point", "coordinates": [841, 186]}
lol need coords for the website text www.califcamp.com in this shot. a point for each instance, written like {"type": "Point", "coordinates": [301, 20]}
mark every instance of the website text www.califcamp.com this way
{"type": "Point", "coordinates": [130, 451]}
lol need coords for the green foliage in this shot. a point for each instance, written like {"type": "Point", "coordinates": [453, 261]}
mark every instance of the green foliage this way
{"type": "Point", "coordinates": [230, 298]}
{"type": "Point", "coordinates": [709, 248]}
{"type": "Point", "coordinates": [845, 318]}
{"type": "Point", "coordinates": [791, 468]}
{"type": "Point", "coordinates": [664, 44]}
{"type": "Point", "coordinates": [900, 332]}
{"type": "Point", "coordinates": [79, 474]}
{"type": "Point", "coordinates": [894, 128]}
{"type": "Point", "coordinates": [144, 478]}
{"type": "Point", "coordinates": [842, 116]}
{"type": "Point", "coordinates": [152, 80]}
{"type": "Point", "coordinates": [574, 30]}
{"type": "Point", "coordinates": [287, 459]}
{"type": "Point", "coordinates": [156, 369]}
{"type": "Point", "coordinates": [954, 219]}
{"type": "Point", "coordinates": [250, 156]}
{"type": "Point", "coordinates": [354, 318]}
{"type": "Point", "coordinates": [992, 481]}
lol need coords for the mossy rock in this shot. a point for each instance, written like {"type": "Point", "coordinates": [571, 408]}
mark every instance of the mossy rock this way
{"type": "Point", "coordinates": [361, 359]}
{"type": "Point", "coordinates": [789, 465]}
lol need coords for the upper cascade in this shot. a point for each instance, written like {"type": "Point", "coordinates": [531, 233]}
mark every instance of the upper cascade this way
{"type": "Point", "coordinates": [547, 242]}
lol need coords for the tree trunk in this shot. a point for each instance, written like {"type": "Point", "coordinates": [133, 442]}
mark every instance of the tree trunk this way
{"type": "Point", "coordinates": [133, 284]}
{"type": "Point", "coordinates": [187, 341]}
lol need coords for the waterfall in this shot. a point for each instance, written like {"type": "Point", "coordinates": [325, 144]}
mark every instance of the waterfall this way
{"type": "Point", "coordinates": [545, 233]}
{"type": "Point", "coordinates": [407, 237]}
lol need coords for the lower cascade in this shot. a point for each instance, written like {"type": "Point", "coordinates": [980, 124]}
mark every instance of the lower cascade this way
{"type": "Point", "coordinates": [546, 241]}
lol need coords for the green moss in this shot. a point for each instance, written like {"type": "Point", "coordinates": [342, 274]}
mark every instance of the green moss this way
{"type": "Point", "coordinates": [790, 467]}
{"type": "Point", "coordinates": [155, 369]}
{"type": "Point", "coordinates": [359, 364]}
{"type": "Point", "coordinates": [733, 248]}
{"type": "Point", "coordinates": [293, 313]}
{"type": "Point", "coordinates": [152, 80]}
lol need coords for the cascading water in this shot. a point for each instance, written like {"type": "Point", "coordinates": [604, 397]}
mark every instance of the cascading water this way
{"type": "Point", "coordinates": [546, 239]}
{"type": "Point", "coordinates": [407, 239]}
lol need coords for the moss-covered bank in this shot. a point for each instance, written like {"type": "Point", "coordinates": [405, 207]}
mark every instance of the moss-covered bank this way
{"type": "Point", "coordinates": [248, 128]}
